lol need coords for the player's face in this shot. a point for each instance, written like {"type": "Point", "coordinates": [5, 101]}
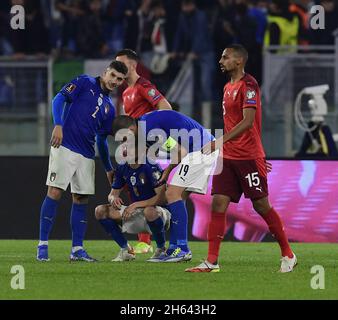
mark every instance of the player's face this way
{"type": "Point", "coordinates": [131, 64]}
{"type": "Point", "coordinates": [228, 61]}
{"type": "Point", "coordinates": [113, 79]}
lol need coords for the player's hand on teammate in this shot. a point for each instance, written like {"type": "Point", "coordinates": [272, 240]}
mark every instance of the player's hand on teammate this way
{"type": "Point", "coordinates": [128, 212]}
{"type": "Point", "coordinates": [57, 136]}
{"type": "Point", "coordinates": [116, 202]}
{"type": "Point", "coordinates": [212, 146]}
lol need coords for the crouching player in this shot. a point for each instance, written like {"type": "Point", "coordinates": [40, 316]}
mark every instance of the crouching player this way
{"type": "Point", "coordinates": [146, 213]}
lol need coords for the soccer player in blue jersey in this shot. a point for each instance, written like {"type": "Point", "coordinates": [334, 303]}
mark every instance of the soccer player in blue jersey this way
{"type": "Point", "coordinates": [183, 138]}
{"type": "Point", "coordinates": [82, 111]}
{"type": "Point", "coordinates": [146, 213]}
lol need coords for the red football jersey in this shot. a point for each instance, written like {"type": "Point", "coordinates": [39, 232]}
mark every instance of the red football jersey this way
{"type": "Point", "coordinates": [237, 96]}
{"type": "Point", "coordinates": [140, 98]}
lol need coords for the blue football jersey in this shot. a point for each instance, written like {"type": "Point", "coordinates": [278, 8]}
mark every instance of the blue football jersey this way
{"type": "Point", "coordinates": [89, 112]}
{"type": "Point", "coordinates": [141, 182]}
{"type": "Point", "coordinates": [171, 123]}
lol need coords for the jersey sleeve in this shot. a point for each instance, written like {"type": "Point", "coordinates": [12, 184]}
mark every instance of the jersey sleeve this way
{"type": "Point", "coordinates": [250, 95]}
{"type": "Point", "coordinates": [72, 89]}
{"type": "Point", "coordinates": [119, 181]}
{"type": "Point", "coordinates": [150, 93]}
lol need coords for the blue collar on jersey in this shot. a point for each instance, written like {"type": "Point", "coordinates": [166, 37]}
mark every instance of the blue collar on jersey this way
{"type": "Point", "coordinates": [106, 92]}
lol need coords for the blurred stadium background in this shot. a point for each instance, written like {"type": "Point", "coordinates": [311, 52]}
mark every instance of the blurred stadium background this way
{"type": "Point", "coordinates": [180, 43]}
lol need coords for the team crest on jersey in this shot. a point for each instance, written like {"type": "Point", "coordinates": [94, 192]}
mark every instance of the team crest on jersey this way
{"type": "Point", "coordinates": [142, 178]}
{"type": "Point", "coordinates": [106, 108]}
{"type": "Point", "coordinates": [250, 94]}
{"type": "Point", "coordinates": [157, 175]}
{"type": "Point", "coordinates": [70, 88]}
{"type": "Point", "coordinates": [151, 93]}
{"type": "Point", "coordinates": [52, 176]}
{"type": "Point", "coordinates": [133, 180]}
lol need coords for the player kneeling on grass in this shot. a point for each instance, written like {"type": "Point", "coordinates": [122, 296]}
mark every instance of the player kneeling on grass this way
{"type": "Point", "coordinates": [144, 214]}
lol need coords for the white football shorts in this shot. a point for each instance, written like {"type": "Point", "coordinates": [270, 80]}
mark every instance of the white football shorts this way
{"type": "Point", "coordinates": [194, 171]}
{"type": "Point", "coordinates": [66, 166]}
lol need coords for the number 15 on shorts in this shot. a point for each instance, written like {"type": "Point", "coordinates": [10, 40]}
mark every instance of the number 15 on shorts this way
{"type": "Point", "coordinates": [253, 179]}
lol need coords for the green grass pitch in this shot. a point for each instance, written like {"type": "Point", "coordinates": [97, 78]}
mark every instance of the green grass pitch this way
{"type": "Point", "coordinates": [248, 271]}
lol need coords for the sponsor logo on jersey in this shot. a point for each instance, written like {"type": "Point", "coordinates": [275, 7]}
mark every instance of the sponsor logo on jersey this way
{"type": "Point", "coordinates": [70, 88]}
{"type": "Point", "coordinates": [133, 180]}
{"type": "Point", "coordinates": [151, 93]}
{"type": "Point", "coordinates": [106, 108]}
{"type": "Point", "coordinates": [234, 95]}
{"type": "Point", "coordinates": [250, 94]}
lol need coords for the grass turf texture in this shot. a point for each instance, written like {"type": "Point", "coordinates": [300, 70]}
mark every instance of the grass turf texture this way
{"type": "Point", "coordinates": [248, 271]}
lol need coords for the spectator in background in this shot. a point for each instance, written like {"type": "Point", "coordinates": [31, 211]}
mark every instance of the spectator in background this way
{"type": "Point", "coordinates": [90, 40]}
{"type": "Point", "coordinates": [118, 20]}
{"type": "Point", "coordinates": [244, 28]}
{"type": "Point", "coordinates": [5, 47]}
{"type": "Point", "coordinates": [193, 41]}
{"type": "Point", "coordinates": [325, 36]}
{"type": "Point", "coordinates": [283, 26]}
{"type": "Point", "coordinates": [71, 11]}
{"type": "Point", "coordinates": [301, 8]}
{"type": "Point", "coordinates": [34, 39]}
{"type": "Point", "coordinates": [145, 26]}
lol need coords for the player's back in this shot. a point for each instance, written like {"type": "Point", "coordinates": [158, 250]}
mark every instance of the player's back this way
{"type": "Point", "coordinates": [140, 98]}
{"type": "Point", "coordinates": [178, 126]}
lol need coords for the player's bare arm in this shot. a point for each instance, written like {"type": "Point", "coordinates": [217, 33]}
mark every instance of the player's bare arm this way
{"type": "Point", "coordinates": [110, 176]}
{"type": "Point", "coordinates": [164, 105]}
{"type": "Point", "coordinates": [245, 124]}
{"type": "Point", "coordinates": [57, 136]}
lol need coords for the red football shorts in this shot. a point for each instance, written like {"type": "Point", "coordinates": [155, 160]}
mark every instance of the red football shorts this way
{"type": "Point", "coordinates": [241, 176]}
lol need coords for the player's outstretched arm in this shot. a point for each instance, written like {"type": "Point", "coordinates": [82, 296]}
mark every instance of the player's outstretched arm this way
{"type": "Point", "coordinates": [245, 124]}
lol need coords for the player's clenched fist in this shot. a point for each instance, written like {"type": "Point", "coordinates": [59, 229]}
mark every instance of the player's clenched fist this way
{"type": "Point", "coordinates": [57, 136]}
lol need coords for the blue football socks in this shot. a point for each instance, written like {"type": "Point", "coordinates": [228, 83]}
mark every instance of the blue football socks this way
{"type": "Point", "coordinates": [157, 229]}
{"type": "Point", "coordinates": [47, 215]}
{"type": "Point", "coordinates": [78, 224]}
{"type": "Point", "coordinates": [112, 228]}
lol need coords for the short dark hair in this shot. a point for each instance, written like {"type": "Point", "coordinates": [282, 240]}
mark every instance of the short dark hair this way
{"type": "Point", "coordinates": [130, 54]}
{"type": "Point", "coordinates": [123, 122]}
{"type": "Point", "coordinates": [240, 50]}
{"type": "Point", "coordinates": [118, 66]}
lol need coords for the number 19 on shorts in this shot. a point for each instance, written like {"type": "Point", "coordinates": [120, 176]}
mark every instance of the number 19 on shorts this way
{"type": "Point", "coordinates": [253, 179]}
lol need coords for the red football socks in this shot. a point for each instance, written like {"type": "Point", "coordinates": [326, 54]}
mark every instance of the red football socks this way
{"type": "Point", "coordinates": [144, 237]}
{"type": "Point", "coordinates": [277, 229]}
{"type": "Point", "coordinates": [216, 231]}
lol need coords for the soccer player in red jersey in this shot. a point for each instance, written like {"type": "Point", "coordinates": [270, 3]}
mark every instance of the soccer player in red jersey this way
{"type": "Point", "coordinates": [140, 97]}
{"type": "Point", "coordinates": [244, 168]}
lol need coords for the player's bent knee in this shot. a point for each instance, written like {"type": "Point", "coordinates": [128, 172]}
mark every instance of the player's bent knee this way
{"type": "Point", "coordinates": [80, 198]}
{"type": "Point", "coordinates": [150, 213]}
{"type": "Point", "coordinates": [172, 195]}
{"type": "Point", "coordinates": [101, 212]}
{"type": "Point", "coordinates": [261, 206]}
{"type": "Point", "coordinates": [54, 193]}
{"type": "Point", "coordinates": [220, 203]}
